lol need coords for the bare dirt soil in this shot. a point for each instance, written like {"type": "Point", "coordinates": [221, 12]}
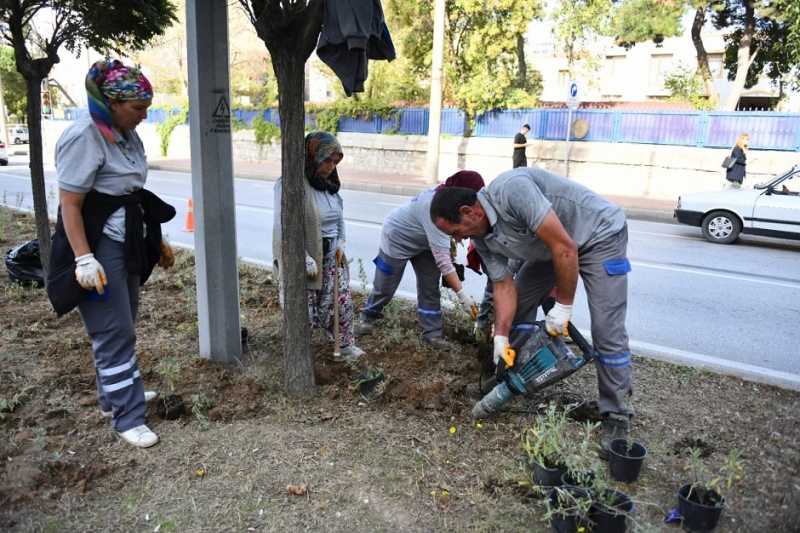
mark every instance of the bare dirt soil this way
{"type": "Point", "coordinates": [412, 461]}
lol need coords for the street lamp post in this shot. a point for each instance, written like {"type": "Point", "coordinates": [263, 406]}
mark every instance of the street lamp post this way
{"type": "Point", "coordinates": [3, 121]}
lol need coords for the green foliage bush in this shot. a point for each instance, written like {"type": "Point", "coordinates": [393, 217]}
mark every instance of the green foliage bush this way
{"type": "Point", "coordinates": [326, 117]}
{"type": "Point", "coordinates": [165, 128]}
{"type": "Point", "coordinates": [265, 131]}
{"type": "Point", "coordinates": [685, 84]}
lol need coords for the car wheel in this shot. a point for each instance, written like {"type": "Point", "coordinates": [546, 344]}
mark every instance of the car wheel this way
{"type": "Point", "coordinates": [17, 141]}
{"type": "Point", "coordinates": [721, 227]}
{"type": "Point", "coordinates": [3, 162]}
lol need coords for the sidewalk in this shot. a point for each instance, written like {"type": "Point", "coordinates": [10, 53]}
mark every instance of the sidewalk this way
{"type": "Point", "coordinates": [635, 208]}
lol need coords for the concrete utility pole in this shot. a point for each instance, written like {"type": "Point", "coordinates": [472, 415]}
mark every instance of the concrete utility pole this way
{"type": "Point", "coordinates": [212, 181]}
{"type": "Point", "coordinates": [435, 116]}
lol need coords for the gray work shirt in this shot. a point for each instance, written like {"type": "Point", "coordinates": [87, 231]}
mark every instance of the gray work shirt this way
{"type": "Point", "coordinates": [516, 204]}
{"type": "Point", "coordinates": [408, 230]}
{"type": "Point", "coordinates": [86, 161]}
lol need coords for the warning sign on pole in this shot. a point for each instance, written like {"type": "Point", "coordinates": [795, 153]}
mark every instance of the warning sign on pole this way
{"type": "Point", "coordinates": [221, 118]}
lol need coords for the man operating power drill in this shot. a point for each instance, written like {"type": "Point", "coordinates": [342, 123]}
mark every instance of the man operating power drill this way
{"type": "Point", "coordinates": [561, 230]}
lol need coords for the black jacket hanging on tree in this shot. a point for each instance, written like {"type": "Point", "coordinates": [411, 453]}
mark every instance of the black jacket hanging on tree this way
{"type": "Point", "coordinates": [353, 31]}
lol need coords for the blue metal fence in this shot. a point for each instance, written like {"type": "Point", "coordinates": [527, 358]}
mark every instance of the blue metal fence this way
{"type": "Point", "coordinates": [713, 129]}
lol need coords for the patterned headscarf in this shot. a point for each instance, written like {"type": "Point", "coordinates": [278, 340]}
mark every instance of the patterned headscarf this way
{"type": "Point", "coordinates": [320, 145]}
{"type": "Point", "coordinates": [112, 79]}
{"type": "Point", "coordinates": [464, 178]}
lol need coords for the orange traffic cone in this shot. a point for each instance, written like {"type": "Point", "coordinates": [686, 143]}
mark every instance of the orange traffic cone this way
{"type": "Point", "coordinates": [190, 217]}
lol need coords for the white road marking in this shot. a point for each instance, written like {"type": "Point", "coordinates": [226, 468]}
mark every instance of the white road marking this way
{"type": "Point", "coordinates": [737, 277]}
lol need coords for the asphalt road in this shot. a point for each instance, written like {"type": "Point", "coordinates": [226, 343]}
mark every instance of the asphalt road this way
{"type": "Point", "coordinates": [732, 307]}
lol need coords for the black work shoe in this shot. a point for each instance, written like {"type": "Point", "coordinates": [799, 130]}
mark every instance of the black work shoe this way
{"type": "Point", "coordinates": [365, 327]}
{"type": "Point", "coordinates": [437, 343]}
{"type": "Point", "coordinates": [478, 390]}
{"type": "Point", "coordinates": [616, 426]}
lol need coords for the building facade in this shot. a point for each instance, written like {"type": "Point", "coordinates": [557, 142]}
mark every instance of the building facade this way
{"type": "Point", "coordinates": [637, 74]}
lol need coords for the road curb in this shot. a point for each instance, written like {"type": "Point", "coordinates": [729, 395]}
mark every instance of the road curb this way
{"type": "Point", "coordinates": [744, 371]}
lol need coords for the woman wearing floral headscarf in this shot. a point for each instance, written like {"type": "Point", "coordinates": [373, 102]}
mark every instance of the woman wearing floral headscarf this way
{"type": "Point", "coordinates": [323, 212]}
{"type": "Point", "coordinates": [110, 226]}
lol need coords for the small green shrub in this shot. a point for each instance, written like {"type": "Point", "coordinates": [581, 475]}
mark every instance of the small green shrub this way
{"type": "Point", "coordinates": [265, 131]}
{"type": "Point", "coordinates": [165, 128]}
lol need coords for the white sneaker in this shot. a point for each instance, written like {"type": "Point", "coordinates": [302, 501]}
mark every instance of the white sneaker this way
{"type": "Point", "coordinates": [351, 352]}
{"type": "Point", "coordinates": [140, 436]}
{"type": "Point", "coordinates": [149, 396]}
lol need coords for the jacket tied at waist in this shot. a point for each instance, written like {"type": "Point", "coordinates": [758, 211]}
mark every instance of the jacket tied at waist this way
{"type": "Point", "coordinates": [142, 252]}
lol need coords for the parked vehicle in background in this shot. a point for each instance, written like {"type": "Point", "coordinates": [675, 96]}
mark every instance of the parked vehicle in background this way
{"type": "Point", "coordinates": [771, 209]}
{"type": "Point", "coordinates": [3, 153]}
{"type": "Point", "coordinates": [18, 134]}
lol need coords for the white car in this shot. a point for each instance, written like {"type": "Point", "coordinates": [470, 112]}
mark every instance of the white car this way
{"type": "Point", "coordinates": [771, 209]}
{"type": "Point", "coordinates": [18, 135]}
{"type": "Point", "coordinates": [3, 153]}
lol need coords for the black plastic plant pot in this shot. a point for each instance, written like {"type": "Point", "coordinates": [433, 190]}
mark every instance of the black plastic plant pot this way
{"type": "Point", "coordinates": [370, 386]}
{"type": "Point", "coordinates": [547, 477]}
{"type": "Point", "coordinates": [584, 480]}
{"type": "Point", "coordinates": [699, 517]}
{"type": "Point", "coordinates": [625, 464]}
{"type": "Point", "coordinates": [570, 520]}
{"type": "Point", "coordinates": [170, 407]}
{"type": "Point", "coordinates": [613, 518]}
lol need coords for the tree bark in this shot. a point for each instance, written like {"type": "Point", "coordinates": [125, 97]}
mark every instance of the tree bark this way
{"type": "Point", "coordinates": [702, 55]}
{"type": "Point", "coordinates": [33, 92]}
{"type": "Point", "coordinates": [743, 60]}
{"type": "Point", "coordinates": [290, 32]}
{"type": "Point", "coordinates": [522, 71]}
{"type": "Point", "coordinates": [298, 359]}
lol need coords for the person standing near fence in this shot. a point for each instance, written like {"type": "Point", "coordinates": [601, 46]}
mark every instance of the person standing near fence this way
{"type": "Point", "coordinates": [520, 144]}
{"type": "Point", "coordinates": [736, 174]}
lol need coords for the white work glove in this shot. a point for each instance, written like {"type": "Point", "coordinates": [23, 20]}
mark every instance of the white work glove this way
{"type": "Point", "coordinates": [557, 320]}
{"type": "Point", "coordinates": [468, 303]}
{"type": "Point", "coordinates": [90, 274]}
{"type": "Point", "coordinates": [339, 251]}
{"type": "Point", "coordinates": [312, 270]}
{"type": "Point", "coordinates": [503, 351]}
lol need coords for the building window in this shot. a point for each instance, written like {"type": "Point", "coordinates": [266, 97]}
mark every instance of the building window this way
{"type": "Point", "coordinates": [563, 77]}
{"type": "Point", "coordinates": [615, 66]}
{"type": "Point", "coordinates": [660, 67]}
{"type": "Point", "coordinates": [715, 65]}
{"type": "Point", "coordinates": [611, 98]}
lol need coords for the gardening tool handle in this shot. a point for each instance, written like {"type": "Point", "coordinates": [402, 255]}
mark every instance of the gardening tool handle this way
{"type": "Point", "coordinates": [577, 337]}
{"type": "Point", "coordinates": [580, 340]}
{"type": "Point", "coordinates": [336, 350]}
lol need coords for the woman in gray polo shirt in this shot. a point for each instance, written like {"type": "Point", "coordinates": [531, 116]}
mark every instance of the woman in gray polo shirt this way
{"type": "Point", "coordinates": [112, 225]}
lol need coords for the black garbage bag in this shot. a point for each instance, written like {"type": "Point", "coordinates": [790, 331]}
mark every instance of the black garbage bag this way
{"type": "Point", "coordinates": [24, 264]}
{"type": "Point", "coordinates": [459, 271]}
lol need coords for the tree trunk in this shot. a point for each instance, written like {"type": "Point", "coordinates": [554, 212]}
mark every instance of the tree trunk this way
{"type": "Point", "coordinates": [702, 55]}
{"type": "Point", "coordinates": [290, 31]}
{"type": "Point", "coordinates": [522, 72]}
{"type": "Point", "coordinates": [34, 108]}
{"type": "Point", "coordinates": [743, 60]}
{"type": "Point", "coordinates": [297, 356]}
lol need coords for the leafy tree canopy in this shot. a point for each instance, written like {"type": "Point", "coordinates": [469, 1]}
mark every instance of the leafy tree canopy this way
{"type": "Point", "coordinates": [13, 83]}
{"type": "Point", "coordinates": [638, 21]}
{"type": "Point", "coordinates": [480, 48]}
{"type": "Point", "coordinates": [775, 43]}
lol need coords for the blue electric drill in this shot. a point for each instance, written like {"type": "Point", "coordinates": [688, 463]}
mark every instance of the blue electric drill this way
{"type": "Point", "coordinates": [542, 361]}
